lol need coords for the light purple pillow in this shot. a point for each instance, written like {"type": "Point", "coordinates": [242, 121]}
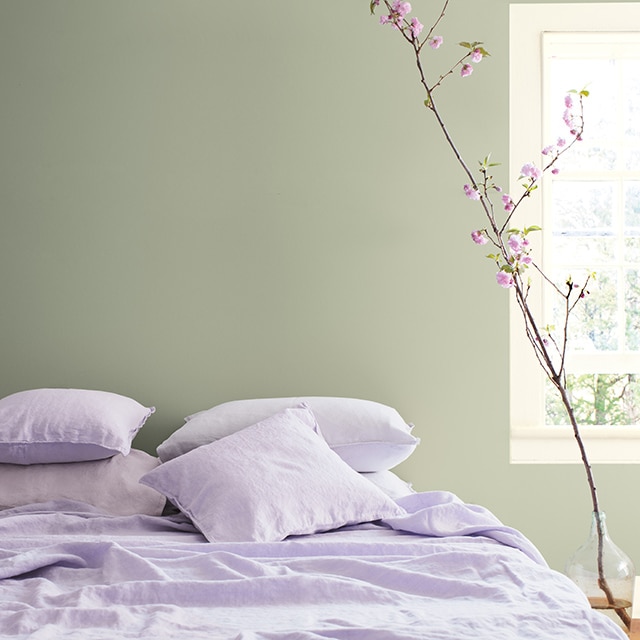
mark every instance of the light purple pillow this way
{"type": "Point", "coordinates": [42, 426]}
{"type": "Point", "coordinates": [367, 435]}
{"type": "Point", "coordinates": [111, 485]}
{"type": "Point", "coordinates": [271, 480]}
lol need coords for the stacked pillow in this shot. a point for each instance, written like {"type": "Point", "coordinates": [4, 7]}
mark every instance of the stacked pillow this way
{"type": "Point", "coordinates": [266, 469]}
{"type": "Point", "coordinates": [367, 435]}
{"type": "Point", "coordinates": [74, 444]}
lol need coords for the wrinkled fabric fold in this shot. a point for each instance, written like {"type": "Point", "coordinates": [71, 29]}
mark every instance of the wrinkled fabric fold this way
{"type": "Point", "coordinates": [443, 570]}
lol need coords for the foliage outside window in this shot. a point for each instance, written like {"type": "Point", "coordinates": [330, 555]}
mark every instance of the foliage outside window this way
{"type": "Point", "coordinates": [590, 217]}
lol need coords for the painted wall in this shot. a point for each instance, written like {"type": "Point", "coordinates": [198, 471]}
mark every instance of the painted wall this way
{"type": "Point", "coordinates": [202, 202]}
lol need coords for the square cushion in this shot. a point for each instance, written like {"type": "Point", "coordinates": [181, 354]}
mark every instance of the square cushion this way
{"type": "Point", "coordinates": [268, 481]}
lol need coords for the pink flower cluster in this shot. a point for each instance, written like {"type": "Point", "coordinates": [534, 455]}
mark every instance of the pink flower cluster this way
{"type": "Point", "coordinates": [479, 236]}
{"type": "Point", "coordinates": [476, 56]}
{"type": "Point", "coordinates": [505, 279]}
{"type": "Point", "coordinates": [569, 118]}
{"type": "Point", "coordinates": [519, 259]}
{"type": "Point", "coordinates": [397, 18]}
{"type": "Point", "coordinates": [530, 170]}
{"type": "Point", "coordinates": [519, 249]}
{"type": "Point", "coordinates": [508, 203]}
{"type": "Point", "coordinates": [471, 192]}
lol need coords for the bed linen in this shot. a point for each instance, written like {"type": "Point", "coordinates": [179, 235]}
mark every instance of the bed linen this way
{"type": "Point", "coordinates": [444, 570]}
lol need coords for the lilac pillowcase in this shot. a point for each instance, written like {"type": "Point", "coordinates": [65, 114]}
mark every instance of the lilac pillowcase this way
{"type": "Point", "coordinates": [111, 485]}
{"type": "Point", "coordinates": [268, 481]}
{"type": "Point", "coordinates": [67, 425]}
{"type": "Point", "coordinates": [369, 436]}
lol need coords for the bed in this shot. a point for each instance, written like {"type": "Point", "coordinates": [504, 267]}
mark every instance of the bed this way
{"type": "Point", "coordinates": [262, 519]}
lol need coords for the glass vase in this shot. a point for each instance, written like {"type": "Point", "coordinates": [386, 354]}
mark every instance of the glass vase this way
{"type": "Point", "coordinates": [617, 568]}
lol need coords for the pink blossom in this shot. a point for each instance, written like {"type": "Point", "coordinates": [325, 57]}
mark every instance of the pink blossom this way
{"type": "Point", "coordinates": [561, 142]}
{"type": "Point", "coordinates": [568, 118]}
{"type": "Point", "coordinates": [508, 202]}
{"type": "Point", "coordinates": [530, 170]}
{"type": "Point", "coordinates": [548, 150]}
{"type": "Point", "coordinates": [471, 192]}
{"type": "Point", "coordinates": [476, 55]}
{"type": "Point", "coordinates": [416, 27]}
{"type": "Point", "coordinates": [401, 8]}
{"type": "Point", "coordinates": [555, 171]}
{"type": "Point", "coordinates": [479, 237]}
{"type": "Point", "coordinates": [466, 70]}
{"type": "Point", "coordinates": [504, 279]}
{"type": "Point", "coordinates": [525, 259]}
{"type": "Point", "coordinates": [515, 244]}
{"type": "Point", "coordinates": [568, 101]}
{"type": "Point", "coordinates": [435, 42]}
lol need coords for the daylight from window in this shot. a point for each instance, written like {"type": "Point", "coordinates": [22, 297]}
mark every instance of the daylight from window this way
{"type": "Point", "coordinates": [591, 222]}
{"type": "Point", "coordinates": [589, 212]}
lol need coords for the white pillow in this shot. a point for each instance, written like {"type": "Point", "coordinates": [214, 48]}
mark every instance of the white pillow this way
{"type": "Point", "coordinates": [390, 483]}
{"type": "Point", "coordinates": [67, 425]}
{"type": "Point", "coordinates": [111, 485]}
{"type": "Point", "coordinates": [369, 436]}
{"type": "Point", "coordinates": [268, 481]}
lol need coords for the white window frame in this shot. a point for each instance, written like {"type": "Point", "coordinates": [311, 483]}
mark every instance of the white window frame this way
{"type": "Point", "coordinates": [531, 441]}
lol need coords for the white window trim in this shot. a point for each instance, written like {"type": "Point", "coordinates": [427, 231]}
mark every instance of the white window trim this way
{"type": "Point", "coordinates": [530, 441]}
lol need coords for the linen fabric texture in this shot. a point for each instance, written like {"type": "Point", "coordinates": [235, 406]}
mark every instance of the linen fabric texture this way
{"type": "Point", "coordinates": [367, 435]}
{"type": "Point", "coordinates": [41, 426]}
{"type": "Point", "coordinates": [266, 482]}
{"type": "Point", "coordinates": [111, 485]}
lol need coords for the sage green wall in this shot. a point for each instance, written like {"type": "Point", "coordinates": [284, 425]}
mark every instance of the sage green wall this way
{"type": "Point", "coordinates": [203, 201]}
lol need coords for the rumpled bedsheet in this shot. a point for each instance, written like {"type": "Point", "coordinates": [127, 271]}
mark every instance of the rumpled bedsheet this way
{"type": "Point", "coordinates": [443, 571]}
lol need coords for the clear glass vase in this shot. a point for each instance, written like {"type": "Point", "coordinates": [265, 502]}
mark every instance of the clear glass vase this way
{"type": "Point", "coordinates": [614, 597]}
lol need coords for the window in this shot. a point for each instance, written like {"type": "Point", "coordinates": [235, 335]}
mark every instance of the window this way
{"type": "Point", "coordinates": [590, 218]}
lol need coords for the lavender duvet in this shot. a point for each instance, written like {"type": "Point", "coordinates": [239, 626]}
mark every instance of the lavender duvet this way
{"type": "Point", "coordinates": [440, 570]}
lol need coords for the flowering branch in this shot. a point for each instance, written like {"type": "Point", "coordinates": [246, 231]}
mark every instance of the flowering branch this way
{"type": "Point", "coordinates": [512, 245]}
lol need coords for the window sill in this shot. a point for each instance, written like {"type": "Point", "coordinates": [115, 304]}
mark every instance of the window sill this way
{"type": "Point", "coordinates": [556, 445]}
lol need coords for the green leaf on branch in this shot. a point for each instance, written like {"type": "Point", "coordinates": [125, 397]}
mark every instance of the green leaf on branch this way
{"type": "Point", "coordinates": [470, 45]}
{"type": "Point", "coordinates": [583, 93]}
{"type": "Point", "coordinates": [533, 227]}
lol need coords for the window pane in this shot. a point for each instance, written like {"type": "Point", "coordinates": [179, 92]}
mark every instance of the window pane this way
{"type": "Point", "coordinates": [593, 324]}
{"type": "Point", "coordinates": [632, 207]}
{"type": "Point", "coordinates": [632, 249]}
{"type": "Point", "coordinates": [631, 158]}
{"type": "Point", "coordinates": [587, 250]}
{"type": "Point", "coordinates": [582, 208]}
{"type": "Point", "coordinates": [632, 302]}
{"type": "Point", "coordinates": [597, 399]}
{"type": "Point", "coordinates": [630, 98]}
{"type": "Point", "coordinates": [598, 150]}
